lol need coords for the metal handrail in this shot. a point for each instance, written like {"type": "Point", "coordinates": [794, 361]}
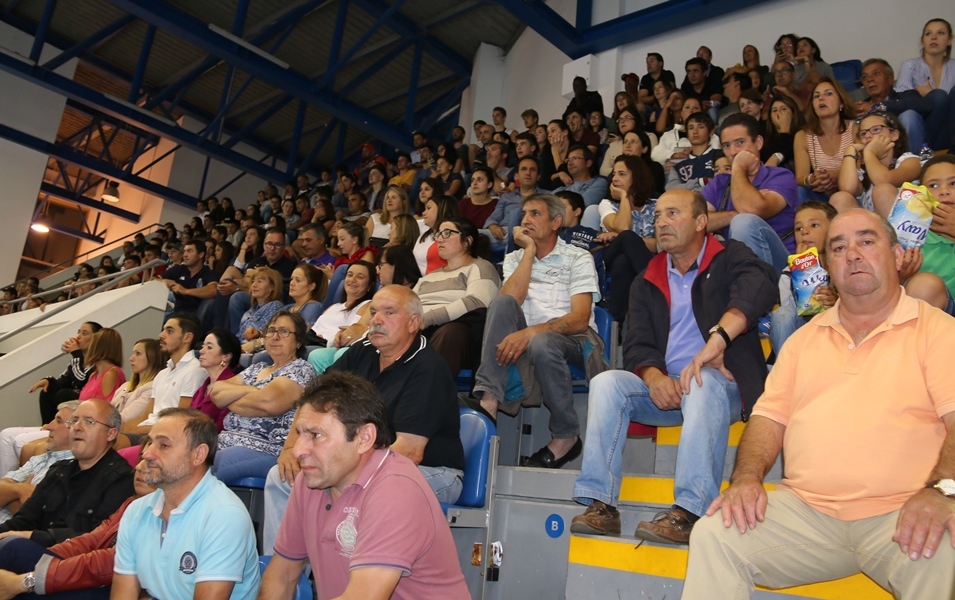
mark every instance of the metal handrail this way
{"type": "Point", "coordinates": [62, 265]}
{"type": "Point", "coordinates": [61, 306]}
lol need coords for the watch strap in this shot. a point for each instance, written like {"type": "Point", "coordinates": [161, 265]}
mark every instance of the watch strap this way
{"type": "Point", "coordinates": [722, 333]}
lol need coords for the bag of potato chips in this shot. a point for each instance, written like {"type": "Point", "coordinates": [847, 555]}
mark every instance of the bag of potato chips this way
{"type": "Point", "coordinates": [912, 214]}
{"type": "Point", "coordinates": [807, 275]}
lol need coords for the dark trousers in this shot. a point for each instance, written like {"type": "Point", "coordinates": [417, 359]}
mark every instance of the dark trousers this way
{"type": "Point", "coordinates": [53, 397]}
{"type": "Point", "coordinates": [625, 258]}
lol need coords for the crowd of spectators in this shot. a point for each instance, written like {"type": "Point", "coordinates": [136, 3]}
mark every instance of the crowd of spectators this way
{"type": "Point", "coordinates": [491, 256]}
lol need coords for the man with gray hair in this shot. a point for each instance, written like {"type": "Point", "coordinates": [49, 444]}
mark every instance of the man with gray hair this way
{"type": "Point", "coordinates": [18, 485]}
{"type": "Point", "coordinates": [542, 321]}
{"type": "Point", "coordinates": [420, 397]}
{"type": "Point", "coordinates": [917, 113]}
{"type": "Point", "coordinates": [76, 495]}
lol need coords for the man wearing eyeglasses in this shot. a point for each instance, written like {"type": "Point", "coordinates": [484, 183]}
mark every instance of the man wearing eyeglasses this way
{"type": "Point", "coordinates": [916, 113]}
{"type": "Point", "coordinates": [234, 293]}
{"type": "Point", "coordinates": [579, 162]}
{"type": "Point", "coordinates": [784, 77]}
{"type": "Point", "coordinates": [76, 495]}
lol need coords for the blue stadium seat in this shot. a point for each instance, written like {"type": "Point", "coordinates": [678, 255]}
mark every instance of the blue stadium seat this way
{"type": "Point", "coordinates": [847, 73]}
{"type": "Point", "coordinates": [250, 491]}
{"type": "Point", "coordinates": [604, 330]}
{"type": "Point", "coordinates": [303, 591]}
{"type": "Point", "coordinates": [475, 506]}
{"type": "Point", "coordinates": [476, 433]}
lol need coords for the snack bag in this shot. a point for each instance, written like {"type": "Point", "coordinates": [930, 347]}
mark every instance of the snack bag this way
{"type": "Point", "coordinates": [912, 214]}
{"type": "Point", "coordinates": [807, 275]}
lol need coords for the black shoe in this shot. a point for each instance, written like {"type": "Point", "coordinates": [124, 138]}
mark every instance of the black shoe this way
{"type": "Point", "coordinates": [544, 458]}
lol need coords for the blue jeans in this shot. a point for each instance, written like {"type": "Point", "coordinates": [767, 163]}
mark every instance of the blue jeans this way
{"type": "Point", "coordinates": [235, 462]}
{"type": "Point", "coordinates": [619, 397]}
{"type": "Point", "coordinates": [783, 322]}
{"type": "Point", "coordinates": [445, 482]}
{"type": "Point", "coordinates": [804, 194]}
{"type": "Point", "coordinates": [548, 352]}
{"type": "Point", "coordinates": [756, 233]}
{"type": "Point", "coordinates": [239, 304]}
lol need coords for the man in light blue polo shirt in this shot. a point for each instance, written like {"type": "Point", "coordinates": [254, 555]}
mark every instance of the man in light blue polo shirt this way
{"type": "Point", "coordinates": [192, 538]}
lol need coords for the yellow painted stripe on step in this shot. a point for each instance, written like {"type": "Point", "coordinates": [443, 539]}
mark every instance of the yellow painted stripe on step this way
{"type": "Point", "coordinates": [670, 436]}
{"type": "Point", "coordinates": [656, 490]}
{"type": "Point", "coordinates": [661, 561]}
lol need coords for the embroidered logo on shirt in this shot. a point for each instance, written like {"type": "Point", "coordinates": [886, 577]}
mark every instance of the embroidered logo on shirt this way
{"type": "Point", "coordinates": [347, 533]}
{"type": "Point", "coordinates": [187, 563]}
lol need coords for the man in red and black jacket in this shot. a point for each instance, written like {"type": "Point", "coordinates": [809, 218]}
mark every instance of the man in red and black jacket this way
{"type": "Point", "coordinates": [84, 562]}
{"type": "Point", "coordinates": [693, 358]}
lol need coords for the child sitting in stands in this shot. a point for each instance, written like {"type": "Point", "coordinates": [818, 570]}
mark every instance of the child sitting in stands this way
{"type": "Point", "coordinates": [811, 225]}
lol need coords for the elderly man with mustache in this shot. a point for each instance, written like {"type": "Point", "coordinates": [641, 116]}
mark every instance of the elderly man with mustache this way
{"type": "Point", "coordinates": [420, 398]}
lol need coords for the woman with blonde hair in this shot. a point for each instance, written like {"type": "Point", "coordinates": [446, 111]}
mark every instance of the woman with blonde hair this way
{"type": "Point", "coordinates": [379, 225]}
{"type": "Point", "coordinates": [266, 293]}
{"type": "Point", "coordinates": [146, 360]}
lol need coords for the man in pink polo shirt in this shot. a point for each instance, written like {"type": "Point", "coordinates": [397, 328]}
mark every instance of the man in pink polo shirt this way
{"type": "Point", "coordinates": [862, 401]}
{"type": "Point", "coordinates": [363, 516]}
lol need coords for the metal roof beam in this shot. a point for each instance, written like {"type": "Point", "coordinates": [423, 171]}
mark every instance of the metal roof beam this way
{"type": "Point", "coordinates": [129, 113]}
{"type": "Point", "coordinates": [405, 27]}
{"type": "Point", "coordinates": [197, 33]}
{"type": "Point", "coordinates": [96, 167]}
{"type": "Point", "coordinates": [335, 65]}
{"type": "Point", "coordinates": [90, 43]}
{"type": "Point", "coordinates": [587, 39]}
{"type": "Point", "coordinates": [65, 194]}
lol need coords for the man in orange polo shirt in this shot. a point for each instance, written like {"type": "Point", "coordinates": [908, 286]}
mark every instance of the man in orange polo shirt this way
{"type": "Point", "coordinates": [862, 399]}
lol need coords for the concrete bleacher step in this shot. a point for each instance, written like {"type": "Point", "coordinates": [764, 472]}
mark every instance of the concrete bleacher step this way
{"type": "Point", "coordinates": [668, 439]}
{"type": "Point", "coordinates": [602, 567]}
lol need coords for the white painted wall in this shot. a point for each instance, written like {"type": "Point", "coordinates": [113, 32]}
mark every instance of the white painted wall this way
{"type": "Point", "coordinates": [532, 72]}
{"type": "Point", "coordinates": [37, 112]}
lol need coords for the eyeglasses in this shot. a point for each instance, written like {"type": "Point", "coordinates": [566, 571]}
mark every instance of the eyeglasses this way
{"type": "Point", "coordinates": [273, 244]}
{"type": "Point", "coordinates": [87, 422]}
{"type": "Point", "coordinates": [874, 130]}
{"type": "Point", "coordinates": [778, 71]}
{"type": "Point", "coordinates": [625, 118]}
{"type": "Point", "coordinates": [446, 233]}
{"type": "Point", "coordinates": [282, 332]}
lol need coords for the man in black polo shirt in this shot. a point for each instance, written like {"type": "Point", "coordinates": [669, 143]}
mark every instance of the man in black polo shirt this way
{"type": "Point", "coordinates": [232, 295]}
{"type": "Point", "coordinates": [419, 393]}
{"type": "Point", "coordinates": [192, 281]}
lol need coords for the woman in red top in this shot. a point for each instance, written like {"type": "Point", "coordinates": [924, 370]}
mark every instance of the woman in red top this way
{"type": "Point", "coordinates": [219, 356]}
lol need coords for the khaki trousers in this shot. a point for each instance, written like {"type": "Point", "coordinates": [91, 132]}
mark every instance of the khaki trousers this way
{"type": "Point", "coordinates": [797, 545]}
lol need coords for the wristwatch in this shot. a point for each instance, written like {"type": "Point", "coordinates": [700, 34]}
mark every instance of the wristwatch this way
{"type": "Point", "coordinates": [29, 582]}
{"type": "Point", "coordinates": [946, 486]}
{"type": "Point", "coordinates": [722, 332]}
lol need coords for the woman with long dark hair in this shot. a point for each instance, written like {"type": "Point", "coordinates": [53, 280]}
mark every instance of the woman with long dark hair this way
{"type": "Point", "coordinates": [456, 296]}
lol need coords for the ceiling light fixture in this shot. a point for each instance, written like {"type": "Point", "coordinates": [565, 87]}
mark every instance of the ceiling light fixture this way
{"type": "Point", "coordinates": [111, 192]}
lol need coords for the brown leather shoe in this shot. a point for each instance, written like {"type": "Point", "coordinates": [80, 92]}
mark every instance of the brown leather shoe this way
{"type": "Point", "coordinates": [598, 519]}
{"type": "Point", "coordinates": [667, 527]}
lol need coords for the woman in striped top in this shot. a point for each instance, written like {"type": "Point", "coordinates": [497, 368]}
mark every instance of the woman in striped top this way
{"type": "Point", "coordinates": [456, 296]}
{"type": "Point", "coordinates": [818, 149]}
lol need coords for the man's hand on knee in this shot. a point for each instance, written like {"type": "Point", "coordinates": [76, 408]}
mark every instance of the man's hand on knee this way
{"type": "Point", "coordinates": [743, 502]}
{"type": "Point", "coordinates": [665, 391]}
{"type": "Point", "coordinates": [513, 346]}
{"type": "Point", "coordinates": [922, 523]}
